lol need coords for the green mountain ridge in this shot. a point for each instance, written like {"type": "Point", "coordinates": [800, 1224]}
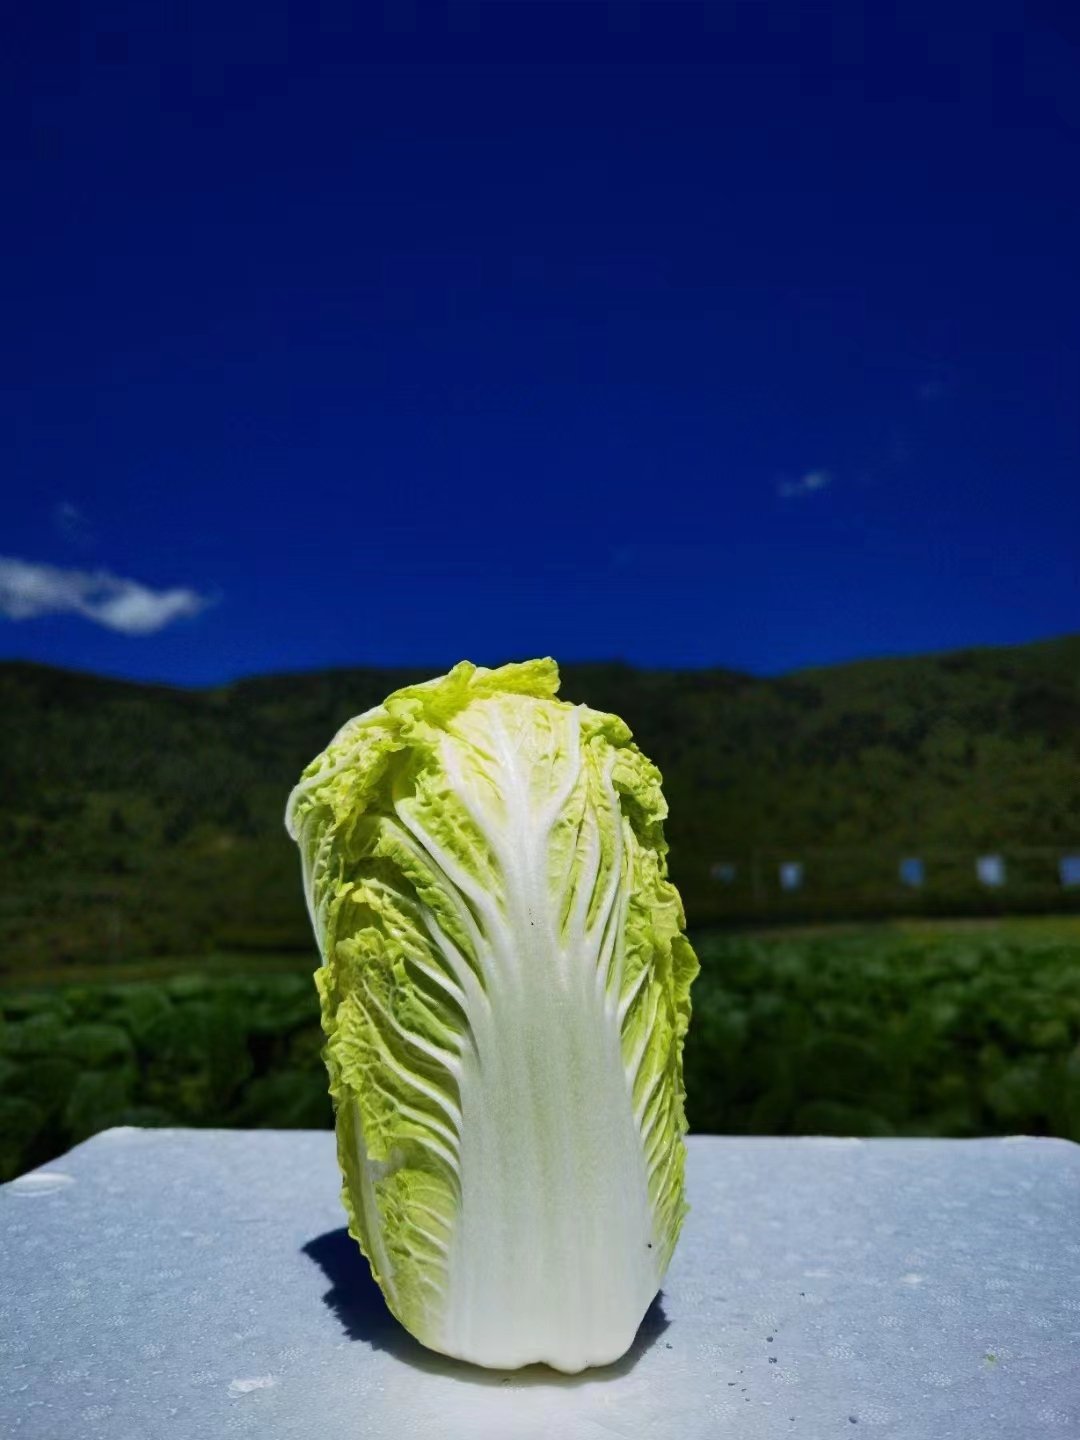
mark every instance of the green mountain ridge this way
{"type": "Point", "coordinates": [143, 820]}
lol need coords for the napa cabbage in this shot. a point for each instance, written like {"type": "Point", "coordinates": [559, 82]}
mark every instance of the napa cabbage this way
{"type": "Point", "coordinates": [505, 992]}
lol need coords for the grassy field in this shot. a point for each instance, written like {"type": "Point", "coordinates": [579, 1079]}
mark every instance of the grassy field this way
{"type": "Point", "coordinates": [907, 1028]}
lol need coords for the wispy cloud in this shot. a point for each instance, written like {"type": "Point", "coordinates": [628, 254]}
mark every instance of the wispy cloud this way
{"type": "Point", "coordinates": [28, 590]}
{"type": "Point", "coordinates": [807, 484]}
{"type": "Point", "coordinates": [73, 525]}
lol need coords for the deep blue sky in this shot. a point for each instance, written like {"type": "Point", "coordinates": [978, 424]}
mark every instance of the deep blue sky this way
{"type": "Point", "coordinates": [690, 334]}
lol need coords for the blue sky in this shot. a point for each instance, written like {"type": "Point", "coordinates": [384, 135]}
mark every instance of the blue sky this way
{"type": "Point", "coordinates": [739, 335]}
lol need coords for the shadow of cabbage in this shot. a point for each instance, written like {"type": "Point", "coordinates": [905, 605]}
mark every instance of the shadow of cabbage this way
{"type": "Point", "coordinates": [359, 1305]}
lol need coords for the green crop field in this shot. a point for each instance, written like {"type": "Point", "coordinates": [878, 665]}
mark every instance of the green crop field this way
{"type": "Point", "coordinates": [198, 1049]}
{"type": "Point", "coordinates": [897, 1030]}
{"type": "Point", "coordinates": [904, 1029]}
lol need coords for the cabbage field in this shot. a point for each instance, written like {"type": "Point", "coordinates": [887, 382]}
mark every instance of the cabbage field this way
{"type": "Point", "coordinates": [892, 1030]}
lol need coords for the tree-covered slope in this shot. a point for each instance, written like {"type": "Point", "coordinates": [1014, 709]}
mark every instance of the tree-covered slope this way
{"type": "Point", "coordinates": [139, 820]}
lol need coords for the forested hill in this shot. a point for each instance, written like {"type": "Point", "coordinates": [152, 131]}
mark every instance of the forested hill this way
{"type": "Point", "coordinates": [142, 819]}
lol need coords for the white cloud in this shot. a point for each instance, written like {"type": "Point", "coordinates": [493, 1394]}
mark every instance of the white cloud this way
{"type": "Point", "coordinates": [28, 590]}
{"type": "Point", "coordinates": [805, 485]}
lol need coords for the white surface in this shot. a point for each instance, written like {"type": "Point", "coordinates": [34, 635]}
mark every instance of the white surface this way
{"type": "Point", "coordinates": [188, 1283]}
